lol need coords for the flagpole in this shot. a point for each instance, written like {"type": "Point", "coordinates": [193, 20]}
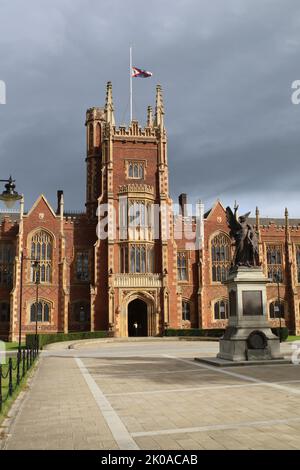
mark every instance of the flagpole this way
{"type": "Point", "coordinates": [130, 72]}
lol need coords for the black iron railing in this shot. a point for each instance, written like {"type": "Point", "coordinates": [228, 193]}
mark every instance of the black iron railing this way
{"type": "Point", "coordinates": [12, 373]}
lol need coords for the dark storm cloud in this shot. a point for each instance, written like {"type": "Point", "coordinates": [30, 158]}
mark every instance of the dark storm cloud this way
{"type": "Point", "coordinates": [226, 68]}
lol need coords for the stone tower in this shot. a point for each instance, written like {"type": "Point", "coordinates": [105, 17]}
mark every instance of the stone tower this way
{"type": "Point", "coordinates": [135, 255]}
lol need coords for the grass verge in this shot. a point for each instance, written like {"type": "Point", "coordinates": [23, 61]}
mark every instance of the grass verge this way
{"type": "Point", "coordinates": [293, 338]}
{"type": "Point", "coordinates": [9, 400]}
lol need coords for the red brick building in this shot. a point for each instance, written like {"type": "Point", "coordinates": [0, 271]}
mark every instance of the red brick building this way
{"type": "Point", "coordinates": [128, 259]}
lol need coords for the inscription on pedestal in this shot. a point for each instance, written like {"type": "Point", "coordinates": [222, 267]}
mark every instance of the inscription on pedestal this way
{"type": "Point", "coordinates": [252, 302]}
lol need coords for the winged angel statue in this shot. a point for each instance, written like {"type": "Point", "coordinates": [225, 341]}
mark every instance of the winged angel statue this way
{"type": "Point", "coordinates": [246, 245]}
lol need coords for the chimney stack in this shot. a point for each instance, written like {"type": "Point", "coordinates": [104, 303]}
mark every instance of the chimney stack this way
{"type": "Point", "coordinates": [182, 204]}
{"type": "Point", "coordinates": [59, 198]}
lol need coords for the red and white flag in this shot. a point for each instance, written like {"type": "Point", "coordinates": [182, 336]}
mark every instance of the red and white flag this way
{"type": "Point", "coordinates": [139, 73]}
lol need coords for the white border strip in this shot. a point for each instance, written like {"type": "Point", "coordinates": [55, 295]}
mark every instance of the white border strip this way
{"type": "Point", "coordinates": [116, 426]}
{"type": "Point", "coordinates": [216, 427]}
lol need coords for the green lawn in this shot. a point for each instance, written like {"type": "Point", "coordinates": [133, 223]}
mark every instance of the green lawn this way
{"type": "Point", "coordinates": [8, 400]}
{"type": "Point", "coordinates": [13, 346]}
{"type": "Point", "coordinates": [293, 338]}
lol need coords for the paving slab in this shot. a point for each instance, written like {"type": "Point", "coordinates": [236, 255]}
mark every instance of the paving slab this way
{"type": "Point", "coordinates": [155, 396]}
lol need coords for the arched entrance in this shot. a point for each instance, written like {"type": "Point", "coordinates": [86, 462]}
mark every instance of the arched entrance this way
{"type": "Point", "coordinates": [137, 314]}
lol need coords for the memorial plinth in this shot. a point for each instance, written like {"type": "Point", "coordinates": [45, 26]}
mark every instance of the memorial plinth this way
{"type": "Point", "coordinates": [248, 335]}
{"type": "Point", "coordinates": [248, 339]}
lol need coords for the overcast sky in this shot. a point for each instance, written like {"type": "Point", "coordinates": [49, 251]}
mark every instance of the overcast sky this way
{"type": "Point", "coordinates": [226, 68]}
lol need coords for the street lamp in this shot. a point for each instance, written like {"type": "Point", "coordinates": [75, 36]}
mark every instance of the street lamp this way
{"type": "Point", "coordinates": [9, 196]}
{"type": "Point", "coordinates": [277, 280]}
{"type": "Point", "coordinates": [36, 266]}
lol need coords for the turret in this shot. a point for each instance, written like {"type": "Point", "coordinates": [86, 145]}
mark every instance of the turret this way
{"type": "Point", "coordinates": [159, 108]}
{"type": "Point", "coordinates": [109, 107]}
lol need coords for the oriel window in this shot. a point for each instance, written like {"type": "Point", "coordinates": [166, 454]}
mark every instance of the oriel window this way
{"type": "Point", "coordinates": [140, 259]}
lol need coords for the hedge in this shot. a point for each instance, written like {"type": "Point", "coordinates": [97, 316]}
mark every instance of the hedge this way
{"type": "Point", "coordinates": [283, 332]}
{"type": "Point", "coordinates": [213, 332]}
{"type": "Point", "coordinates": [217, 332]}
{"type": "Point", "coordinates": [57, 337]}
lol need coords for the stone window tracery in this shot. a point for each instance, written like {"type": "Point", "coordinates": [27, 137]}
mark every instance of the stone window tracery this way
{"type": "Point", "coordinates": [6, 264]}
{"type": "Point", "coordinates": [43, 312]}
{"type": "Point", "coordinates": [137, 258]}
{"type": "Point", "coordinates": [135, 169]}
{"type": "Point", "coordinates": [186, 310]}
{"type": "Point", "coordinates": [274, 261]}
{"type": "Point", "coordinates": [41, 251]}
{"type": "Point", "coordinates": [82, 266]}
{"type": "Point", "coordinates": [182, 272]}
{"type": "Point", "coordinates": [221, 309]}
{"type": "Point", "coordinates": [220, 257]}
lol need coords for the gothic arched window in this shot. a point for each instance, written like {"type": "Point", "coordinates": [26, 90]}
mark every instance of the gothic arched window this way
{"type": "Point", "coordinates": [182, 274]}
{"type": "Point", "coordinates": [274, 261]}
{"type": "Point", "coordinates": [135, 169]}
{"type": "Point", "coordinates": [43, 311]}
{"type": "Point", "coordinates": [221, 309]}
{"type": "Point", "coordinates": [41, 251]}
{"type": "Point", "coordinates": [82, 266]}
{"type": "Point", "coordinates": [276, 309]}
{"type": "Point", "coordinates": [6, 264]}
{"type": "Point", "coordinates": [186, 311]}
{"type": "Point", "coordinates": [141, 258]}
{"type": "Point", "coordinates": [220, 257]}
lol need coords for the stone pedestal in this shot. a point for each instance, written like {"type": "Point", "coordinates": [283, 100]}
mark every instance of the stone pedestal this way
{"type": "Point", "coordinates": [248, 336]}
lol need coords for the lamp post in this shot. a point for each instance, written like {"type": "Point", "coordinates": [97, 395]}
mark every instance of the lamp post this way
{"type": "Point", "coordinates": [277, 279]}
{"type": "Point", "coordinates": [9, 196]}
{"type": "Point", "coordinates": [36, 265]}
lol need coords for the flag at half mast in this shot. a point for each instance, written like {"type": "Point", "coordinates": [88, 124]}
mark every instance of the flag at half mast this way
{"type": "Point", "coordinates": [139, 73]}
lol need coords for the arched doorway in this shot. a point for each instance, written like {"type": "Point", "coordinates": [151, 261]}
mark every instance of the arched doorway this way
{"type": "Point", "coordinates": [137, 313]}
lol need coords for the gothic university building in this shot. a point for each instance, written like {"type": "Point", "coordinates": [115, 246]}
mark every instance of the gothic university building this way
{"type": "Point", "coordinates": [149, 267]}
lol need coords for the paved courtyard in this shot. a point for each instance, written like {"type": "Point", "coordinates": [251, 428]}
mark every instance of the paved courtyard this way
{"type": "Point", "coordinates": [153, 395]}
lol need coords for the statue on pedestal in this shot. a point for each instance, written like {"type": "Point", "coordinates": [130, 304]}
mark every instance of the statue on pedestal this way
{"type": "Point", "coordinates": [246, 244]}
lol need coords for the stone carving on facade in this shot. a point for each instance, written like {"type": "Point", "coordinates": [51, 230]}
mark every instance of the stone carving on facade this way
{"type": "Point", "coordinates": [136, 188]}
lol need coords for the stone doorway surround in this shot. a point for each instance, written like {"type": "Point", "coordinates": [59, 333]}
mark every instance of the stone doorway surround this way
{"type": "Point", "coordinates": [150, 299]}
